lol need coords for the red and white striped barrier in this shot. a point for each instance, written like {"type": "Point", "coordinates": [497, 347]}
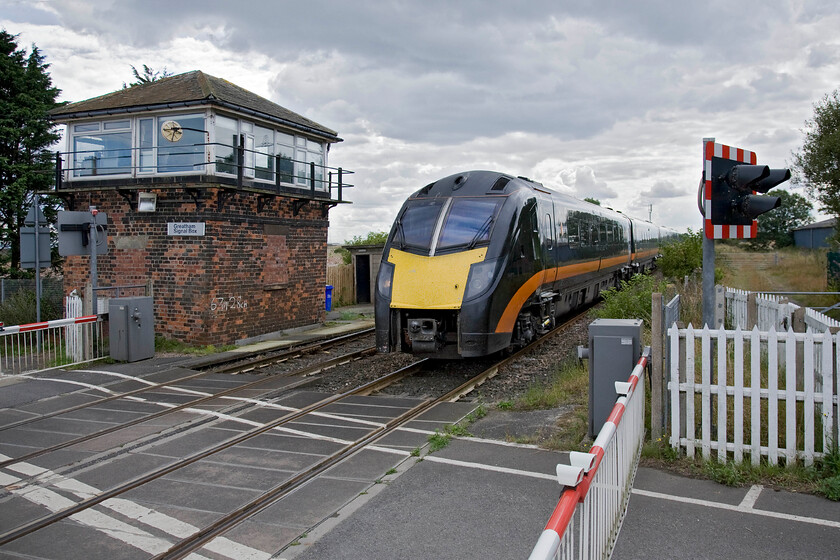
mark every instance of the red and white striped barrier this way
{"type": "Point", "coordinates": [31, 327]}
{"type": "Point", "coordinates": [600, 481]}
{"type": "Point", "coordinates": [38, 346]}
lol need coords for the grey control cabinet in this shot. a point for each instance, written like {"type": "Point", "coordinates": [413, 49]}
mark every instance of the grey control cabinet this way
{"type": "Point", "coordinates": [131, 328]}
{"type": "Point", "coordinates": [615, 346]}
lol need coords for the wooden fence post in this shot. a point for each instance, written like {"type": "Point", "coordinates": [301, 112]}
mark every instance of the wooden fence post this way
{"type": "Point", "coordinates": [657, 340]}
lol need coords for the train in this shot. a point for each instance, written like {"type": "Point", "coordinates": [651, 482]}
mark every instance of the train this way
{"type": "Point", "coordinates": [481, 262]}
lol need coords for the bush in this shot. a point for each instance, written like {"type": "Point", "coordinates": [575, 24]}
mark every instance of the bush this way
{"type": "Point", "coordinates": [372, 238]}
{"type": "Point", "coordinates": [683, 257]}
{"type": "Point", "coordinates": [19, 309]}
{"type": "Point", "coordinates": [631, 300]}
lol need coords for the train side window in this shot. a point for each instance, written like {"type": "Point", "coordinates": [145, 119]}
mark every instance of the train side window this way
{"type": "Point", "coordinates": [562, 237]}
{"type": "Point", "coordinates": [573, 233]}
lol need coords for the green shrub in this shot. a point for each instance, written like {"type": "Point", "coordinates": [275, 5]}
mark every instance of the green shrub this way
{"type": "Point", "coordinates": [681, 258]}
{"type": "Point", "coordinates": [372, 238]}
{"type": "Point", "coordinates": [19, 309]}
{"type": "Point", "coordinates": [631, 300]}
{"type": "Point", "coordinates": [830, 488]}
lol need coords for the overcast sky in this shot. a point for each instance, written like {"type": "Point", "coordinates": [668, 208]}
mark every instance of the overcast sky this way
{"type": "Point", "coordinates": [607, 99]}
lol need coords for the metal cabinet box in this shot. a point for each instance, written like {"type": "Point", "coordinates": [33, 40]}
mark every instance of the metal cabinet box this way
{"type": "Point", "coordinates": [615, 346]}
{"type": "Point", "coordinates": [131, 328]}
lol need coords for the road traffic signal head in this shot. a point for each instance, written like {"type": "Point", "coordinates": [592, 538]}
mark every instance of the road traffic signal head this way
{"type": "Point", "coordinates": [732, 182]}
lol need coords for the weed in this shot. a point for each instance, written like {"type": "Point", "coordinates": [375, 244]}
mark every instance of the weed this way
{"type": "Point", "coordinates": [569, 384]}
{"type": "Point", "coordinates": [505, 405]}
{"type": "Point", "coordinates": [457, 430]}
{"type": "Point", "coordinates": [415, 452]}
{"type": "Point", "coordinates": [479, 412]}
{"type": "Point", "coordinates": [830, 488]}
{"type": "Point", "coordinates": [391, 471]}
{"type": "Point", "coordinates": [438, 441]}
{"type": "Point", "coordinates": [167, 345]}
{"type": "Point", "coordinates": [660, 449]}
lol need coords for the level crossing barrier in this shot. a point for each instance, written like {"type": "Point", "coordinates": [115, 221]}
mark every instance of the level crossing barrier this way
{"type": "Point", "coordinates": [37, 346]}
{"type": "Point", "coordinates": [590, 511]}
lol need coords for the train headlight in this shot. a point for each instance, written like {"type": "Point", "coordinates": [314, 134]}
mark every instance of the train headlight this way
{"type": "Point", "coordinates": [480, 278]}
{"type": "Point", "coordinates": [385, 279]}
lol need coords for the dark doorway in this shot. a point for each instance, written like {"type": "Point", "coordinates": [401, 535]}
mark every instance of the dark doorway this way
{"type": "Point", "coordinates": [362, 278]}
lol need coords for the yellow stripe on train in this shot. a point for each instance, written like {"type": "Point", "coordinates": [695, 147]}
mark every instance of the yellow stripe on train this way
{"type": "Point", "coordinates": [431, 282]}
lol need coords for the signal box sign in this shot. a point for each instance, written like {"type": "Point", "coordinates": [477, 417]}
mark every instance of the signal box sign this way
{"type": "Point", "coordinates": [724, 157]}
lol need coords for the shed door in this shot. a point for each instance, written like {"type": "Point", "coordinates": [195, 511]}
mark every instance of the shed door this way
{"type": "Point", "coordinates": [362, 278]}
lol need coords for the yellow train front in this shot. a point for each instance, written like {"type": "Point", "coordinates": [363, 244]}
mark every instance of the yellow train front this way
{"type": "Point", "coordinates": [480, 261]}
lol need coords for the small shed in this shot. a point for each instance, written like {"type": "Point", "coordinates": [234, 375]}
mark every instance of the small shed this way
{"type": "Point", "coordinates": [814, 236]}
{"type": "Point", "coordinates": [365, 260]}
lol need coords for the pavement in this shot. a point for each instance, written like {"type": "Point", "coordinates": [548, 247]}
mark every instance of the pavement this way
{"type": "Point", "coordinates": [483, 497]}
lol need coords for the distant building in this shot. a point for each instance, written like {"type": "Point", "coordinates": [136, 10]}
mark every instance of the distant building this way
{"type": "Point", "coordinates": [218, 196]}
{"type": "Point", "coordinates": [814, 236]}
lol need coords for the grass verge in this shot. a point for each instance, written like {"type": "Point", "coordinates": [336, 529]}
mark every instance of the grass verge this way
{"type": "Point", "coordinates": [166, 345]}
{"type": "Point", "coordinates": [822, 478]}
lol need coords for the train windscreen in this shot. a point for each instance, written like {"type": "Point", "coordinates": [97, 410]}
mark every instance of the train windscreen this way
{"type": "Point", "coordinates": [417, 224]}
{"type": "Point", "coordinates": [468, 223]}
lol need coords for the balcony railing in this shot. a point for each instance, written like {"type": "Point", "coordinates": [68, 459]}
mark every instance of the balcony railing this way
{"type": "Point", "coordinates": [278, 174]}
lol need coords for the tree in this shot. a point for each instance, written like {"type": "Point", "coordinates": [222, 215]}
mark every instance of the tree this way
{"type": "Point", "coordinates": [774, 227]}
{"type": "Point", "coordinates": [26, 133]}
{"type": "Point", "coordinates": [148, 76]}
{"type": "Point", "coordinates": [817, 164]}
{"type": "Point", "coordinates": [372, 238]}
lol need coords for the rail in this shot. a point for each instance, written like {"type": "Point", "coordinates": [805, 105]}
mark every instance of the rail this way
{"type": "Point", "coordinates": [37, 346]}
{"type": "Point", "coordinates": [600, 481]}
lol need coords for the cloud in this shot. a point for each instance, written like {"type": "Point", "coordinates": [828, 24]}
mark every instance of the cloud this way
{"type": "Point", "coordinates": [605, 99]}
{"type": "Point", "coordinates": [663, 189]}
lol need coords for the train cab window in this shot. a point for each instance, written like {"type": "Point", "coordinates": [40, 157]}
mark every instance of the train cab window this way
{"type": "Point", "coordinates": [548, 234]}
{"type": "Point", "coordinates": [468, 223]}
{"type": "Point", "coordinates": [416, 226]}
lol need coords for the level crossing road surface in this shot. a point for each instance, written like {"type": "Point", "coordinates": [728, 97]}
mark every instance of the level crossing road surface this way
{"type": "Point", "coordinates": [478, 497]}
{"type": "Point", "coordinates": [672, 516]}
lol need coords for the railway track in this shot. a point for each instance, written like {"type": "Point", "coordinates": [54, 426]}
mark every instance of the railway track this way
{"type": "Point", "coordinates": [240, 363]}
{"type": "Point", "coordinates": [281, 489]}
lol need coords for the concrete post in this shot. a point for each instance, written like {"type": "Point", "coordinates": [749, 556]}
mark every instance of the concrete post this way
{"type": "Point", "coordinates": [752, 312]}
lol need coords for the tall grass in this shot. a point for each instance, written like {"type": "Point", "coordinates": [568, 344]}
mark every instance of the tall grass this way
{"type": "Point", "coordinates": [790, 270]}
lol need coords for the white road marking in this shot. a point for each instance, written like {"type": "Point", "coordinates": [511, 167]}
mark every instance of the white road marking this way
{"type": "Point", "coordinates": [481, 466]}
{"type": "Point", "coordinates": [751, 497]}
{"type": "Point", "coordinates": [748, 509]}
{"type": "Point", "coordinates": [117, 529]}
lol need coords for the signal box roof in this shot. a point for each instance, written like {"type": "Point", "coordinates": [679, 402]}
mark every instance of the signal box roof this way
{"type": "Point", "coordinates": [186, 90]}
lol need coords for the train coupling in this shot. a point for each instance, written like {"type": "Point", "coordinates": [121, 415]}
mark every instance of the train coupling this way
{"type": "Point", "coordinates": [424, 335]}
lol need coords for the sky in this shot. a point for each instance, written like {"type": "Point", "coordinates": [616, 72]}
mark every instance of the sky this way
{"type": "Point", "coordinates": [601, 99]}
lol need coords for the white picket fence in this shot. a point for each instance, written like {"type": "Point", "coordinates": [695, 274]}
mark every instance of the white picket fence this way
{"type": "Point", "coordinates": [772, 311]}
{"type": "Point", "coordinates": [785, 404]}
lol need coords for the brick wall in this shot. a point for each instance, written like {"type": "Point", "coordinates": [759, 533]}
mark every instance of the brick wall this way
{"type": "Point", "coordinates": [252, 273]}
